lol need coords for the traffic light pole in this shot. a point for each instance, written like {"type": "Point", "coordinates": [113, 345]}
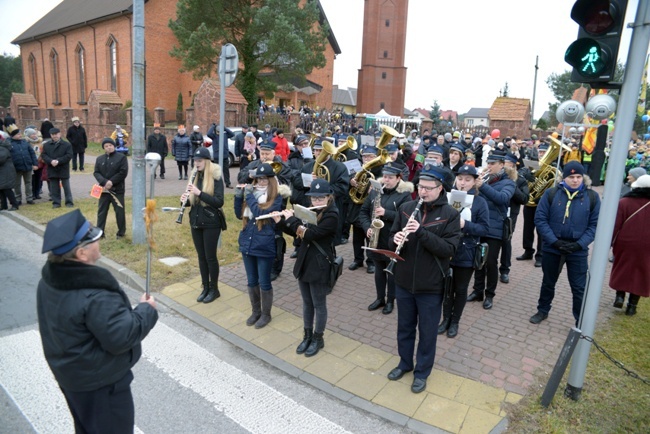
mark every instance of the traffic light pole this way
{"type": "Point", "coordinates": [615, 173]}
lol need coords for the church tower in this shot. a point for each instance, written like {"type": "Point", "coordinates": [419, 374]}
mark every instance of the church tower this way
{"type": "Point", "coordinates": [382, 77]}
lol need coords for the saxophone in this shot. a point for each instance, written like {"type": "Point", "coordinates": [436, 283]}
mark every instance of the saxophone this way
{"type": "Point", "coordinates": [375, 223]}
{"type": "Point", "coordinates": [359, 193]}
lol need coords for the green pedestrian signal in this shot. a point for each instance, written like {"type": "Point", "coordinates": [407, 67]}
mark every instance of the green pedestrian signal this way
{"type": "Point", "coordinates": [594, 54]}
{"type": "Point", "coordinates": [588, 57]}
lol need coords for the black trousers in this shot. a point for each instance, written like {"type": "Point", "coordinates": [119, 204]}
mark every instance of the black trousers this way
{"type": "Point", "coordinates": [205, 243]}
{"type": "Point", "coordinates": [384, 282]}
{"type": "Point", "coordinates": [280, 249]}
{"type": "Point", "coordinates": [80, 156]}
{"type": "Point", "coordinates": [37, 183]}
{"type": "Point", "coordinates": [161, 165]}
{"type": "Point", "coordinates": [107, 410]}
{"type": "Point", "coordinates": [358, 241]}
{"type": "Point", "coordinates": [8, 194]}
{"type": "Point", "coordinates": [454, 305]}
{"type": "Point", "coordinates": [105, 202]}
{"type": "Point", "coordinates": [225, 166]}
{"type": "Point", "coordinates": [490, 270]}
{"type": "Point", "coordinates": [506, 249]}
{"type": "Point", "coordinates": [181, 165]}
{"type": "Point", "coordinates": [529, 233]}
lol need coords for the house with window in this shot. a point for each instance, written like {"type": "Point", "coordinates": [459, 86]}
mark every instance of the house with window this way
{"type": "Point", "coordinates": [477, 117]}
{"type": "Point", "coordinates": [85, 45]}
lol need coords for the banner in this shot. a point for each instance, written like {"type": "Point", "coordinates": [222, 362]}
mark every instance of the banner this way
{"type": "Point", "coordinates": [589, 140]}
{"type": "Point", "coordinates": [640, 110]}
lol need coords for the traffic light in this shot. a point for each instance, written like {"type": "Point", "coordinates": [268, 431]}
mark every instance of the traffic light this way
{"type": "Point", "coordinates": [593, 55]}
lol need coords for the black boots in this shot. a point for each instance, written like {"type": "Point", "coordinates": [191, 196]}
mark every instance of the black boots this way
{"type": "Point", "coordinates": [213, 293]}
{"type": "Point", "coordinates": [631, 305]}
{"type": "Point", "coordinates": [267, 303]}
{"type": "Point", "coordinates": [620, 299]}
{"type": "Point", "coordinates": [475, 296]}
{"type": "Point", "coordinates": [444, 325]}
{"type": "Point", "coordinates": [254, 294]}
{"type": "Point", "coordinates": [206, 289]}
{"type": "Point", "coordinates": [317, 342]}
{"type": "Point", "coordinates": [306, 340]}
{"type": "Point", "coordinates": [452, 331]}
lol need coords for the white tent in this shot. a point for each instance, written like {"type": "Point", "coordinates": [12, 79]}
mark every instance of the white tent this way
{"type": "Point", "coordinates": [381, 114]}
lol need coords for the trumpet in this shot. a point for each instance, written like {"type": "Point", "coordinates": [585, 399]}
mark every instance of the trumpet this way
{"type": "Point", "coordinates": [179, 220]}
{"type": "Point", "coordinates": [414, 214]}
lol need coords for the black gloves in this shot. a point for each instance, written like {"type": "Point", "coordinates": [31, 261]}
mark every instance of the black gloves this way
{"type": "Point", "coordinates": [567, 247]}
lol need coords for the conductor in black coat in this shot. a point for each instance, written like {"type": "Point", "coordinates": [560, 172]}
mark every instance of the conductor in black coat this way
{"type": "Point", "coordinates": [111, 169]}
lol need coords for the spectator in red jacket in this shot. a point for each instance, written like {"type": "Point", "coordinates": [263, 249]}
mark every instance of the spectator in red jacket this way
{"type": "Point", "coordinates": [281, 145]}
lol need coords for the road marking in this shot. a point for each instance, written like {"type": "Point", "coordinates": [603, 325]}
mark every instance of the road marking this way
{"type": "Point", "coordinates": [247, 401]}
{"type": "Point", "coordinates": [27, 378]}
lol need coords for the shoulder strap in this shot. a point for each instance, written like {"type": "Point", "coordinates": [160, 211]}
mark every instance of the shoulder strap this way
{"type": "Point", "coordinates": [320, 249]}
{"type": "Point", "coordinates": [590, 193]}
{"type": "Point", "coordinates": [627, 219]}
{"type": "Point", "coordinates": [551, 195]}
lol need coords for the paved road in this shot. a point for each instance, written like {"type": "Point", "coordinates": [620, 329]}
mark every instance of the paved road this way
{"type": "Point", "coordinates": [188, 379]}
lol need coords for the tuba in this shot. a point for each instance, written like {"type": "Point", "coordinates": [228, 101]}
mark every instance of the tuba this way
{"type": "Point", "coordinates": [350, 143]}
{"type": "Point", "coordinates": [320, 170]}
{"type": "Point", "coordinates": [546, 174]}
{"type": "Point", "coordinates": [359, 193]}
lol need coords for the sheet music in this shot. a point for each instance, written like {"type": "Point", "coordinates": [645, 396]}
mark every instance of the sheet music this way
{"type": "Point", "coordinates": [307, 179]}
{"type": "Point", "coordinates": [353, 166]}
{"type": "Point", "coordinates": [304, 214]}
{"type": "Point", "coordinates": [306, 153]}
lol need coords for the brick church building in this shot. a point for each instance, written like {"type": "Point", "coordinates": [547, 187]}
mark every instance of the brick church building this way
{"type": "Point", "coordinates": [86, 45]}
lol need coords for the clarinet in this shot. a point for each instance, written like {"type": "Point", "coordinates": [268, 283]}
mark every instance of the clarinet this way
{"type": "Point", "coordinates": [179, 220]}
{"type": "Point", "coordinates": [413, 216]}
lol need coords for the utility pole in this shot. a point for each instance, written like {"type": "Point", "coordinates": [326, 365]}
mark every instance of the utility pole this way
{"type": "Point", "coordinates": [137, 132]}
{"type": "Point", "coordinates": [615, 170]}
{"type": "Point", "coordinates": [532, 115]}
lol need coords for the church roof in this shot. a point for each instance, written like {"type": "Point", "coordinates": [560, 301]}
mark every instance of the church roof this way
{"type": "Point", "coordinates": [24, 99]}
{"type": "Point", "coordinates": [70, 14]}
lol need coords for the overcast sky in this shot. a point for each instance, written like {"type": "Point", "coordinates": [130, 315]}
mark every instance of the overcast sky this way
{"type": "Point", "coordinates": [459, 52]}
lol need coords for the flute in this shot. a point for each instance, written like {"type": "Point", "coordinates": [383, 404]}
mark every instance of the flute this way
{"type": "Point", "coordinates": [414, 214]}
{"type": "Point", "coordinates": [179, 220]}
{"type": "Point", "coordinates": [268, 216]}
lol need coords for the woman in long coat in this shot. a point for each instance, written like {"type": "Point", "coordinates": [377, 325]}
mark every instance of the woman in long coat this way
{"type": "Point", "coordinates": [630, 272]}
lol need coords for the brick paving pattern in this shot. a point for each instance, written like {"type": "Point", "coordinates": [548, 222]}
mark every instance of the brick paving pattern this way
{"type": "Point", "coordinates": [498, 347]}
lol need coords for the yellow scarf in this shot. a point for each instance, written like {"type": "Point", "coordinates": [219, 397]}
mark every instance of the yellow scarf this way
{"type": "Point", "coordinates": [568, 204]}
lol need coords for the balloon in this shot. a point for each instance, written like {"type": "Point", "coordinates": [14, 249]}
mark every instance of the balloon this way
{"type": "Point", "coordinates": [448, 124]}
{"type": "Point", "coordinates": [555, 135]}
{"type": "Point", "coordinates": [495, 134]}
{"type": "Point", "coordinates": [645, 118]}
{"type": "Point", "coordinates": [646, 136]}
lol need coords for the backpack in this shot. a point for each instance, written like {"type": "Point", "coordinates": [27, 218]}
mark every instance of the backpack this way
{"type": "Point", "coordinates": [592, 197]}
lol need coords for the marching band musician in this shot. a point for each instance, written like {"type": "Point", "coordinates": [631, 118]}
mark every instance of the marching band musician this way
{"type": "Point", "coordinates": [456, 154]}
{"type": "Point", "coordinates": [267, 155]}
{"type": "Point", "coordinates": [339, 180]}
{"type": "Point", "coordinates": [312, 268]}
{"type": "Point", "coordinates": [396, 156]}
{"type": "Point", "coordinates": [396, 191]}
{"type": "Point", "coordinates": [529, 226]}
{"type": "Point", "coordinates": [257, 238]}
{"type": "Point", "coordinates": [205, 196]}
{"type": "Point", "coordinates": [358, 233]}
{"type": "Point", "coordinates": [296, 163]}
{"type": "Point", "coordinates": [519, 198]}
{"type": "Point", "coordinates": [463, 261]}
{"type": "Point", "coordinates": [433, 236]}
{"type": "Point", "coordinates": [497, 189]}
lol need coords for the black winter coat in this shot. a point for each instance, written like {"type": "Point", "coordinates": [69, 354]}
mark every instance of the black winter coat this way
{"type": "Point", "coordinates": [438, 235]}
{"type": "Point", "coordinates": [197, 140]}
{"type": "Point", "coordinates": [391, 200]}
{"type": "Point", "coordinates": [91, 336]}
{"type": "Point", "coordinates": [181, 147]}
{"type": "Point", "coordinates": [207, 213]}
{"type": "Point", "coordinates": [77, 138]}
{"type": "Point", "coordinates": [472, 232]}
{"type": "Point", "coordinates": [311, 266]}
{"type": "Point", "coordinates": [296, 163]}
{"type": "Point", "coordinates": [284, 177]}
{"type": "Point", "coordinates": [157, 144]}
{"type": "Point", "coordinates": [112, 167]}
{"type": "Point", "coordinates": [213, 133]}
{"type": "Point", "coordinates": [61, 151]}
{"type": "Point", "coordinates": [520, 197]}
{"type": "Point", "coordinates": [7, 171]}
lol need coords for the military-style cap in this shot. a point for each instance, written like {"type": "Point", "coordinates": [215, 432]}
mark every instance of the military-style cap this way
{"type": "Point", "coordinates": [435, 150]}
{"type": "Point", "coordinates": [496, 156]}
{"type": "Point", "coordinates": [393, 168]}
{"type": "Point", "coordinates": [432, 173]}
{"type": "Point", "coordinates": [268, 145]}
{"type": "Point", "coordinates": [319, 187]}
{"type": "Point", "coordinates": [512, 158]}
{"type": "Point", "coordinates": [458, 148]}
{"type": "Point", "coordinates": [369, 150]}
{"type": "Point", "coordinates": [468, 170]}
{"type": "Point", "coordinates": [392, 147]}
{"type": "Point", "coordinates": [66, 232]}
{"type": "Point", "coordinates": [264, 170]}
{"type": "Point", "coordinates": [201, 153]}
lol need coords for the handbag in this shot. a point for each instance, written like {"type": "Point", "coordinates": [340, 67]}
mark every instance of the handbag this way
{"type": "Point", "coordinates": [480, 255]}
{"type": "Point", "coordinates": [507, 227]}
{"type": "Point", "coordinates": [448, 279]}
{"type": "Point", "coordinates": [336, 267]}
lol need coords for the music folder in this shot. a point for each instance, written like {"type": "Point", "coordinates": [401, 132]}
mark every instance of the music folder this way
{"type": "Point", "coordinates": [389, 253]}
